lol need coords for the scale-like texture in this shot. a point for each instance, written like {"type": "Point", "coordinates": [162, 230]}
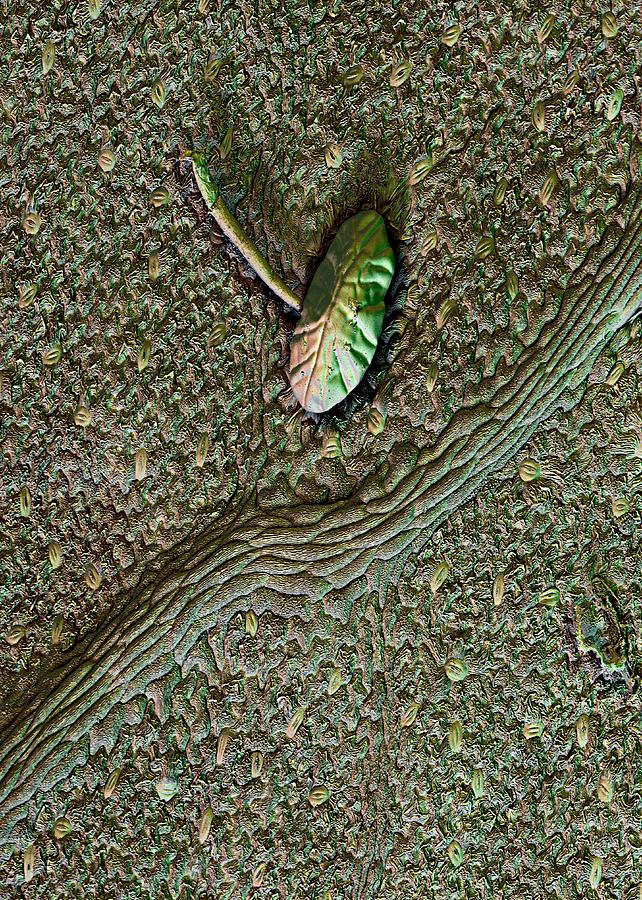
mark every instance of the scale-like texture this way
{"type": "Point", "coordinates": [336, 337]}
{"type": "Point", "coordinates": [279, 624]}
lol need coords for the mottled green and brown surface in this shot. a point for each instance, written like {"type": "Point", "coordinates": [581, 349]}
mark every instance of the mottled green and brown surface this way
{"type": "Point", "coordinates": [382, 564]}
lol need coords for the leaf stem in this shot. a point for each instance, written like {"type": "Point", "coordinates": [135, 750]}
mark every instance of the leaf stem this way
{"type": "Point", "coordinates": [233, 231]}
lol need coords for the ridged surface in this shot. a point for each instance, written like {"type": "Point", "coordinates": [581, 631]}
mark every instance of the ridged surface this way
{"type": "Point", "coordinates": [238, 650]}
{"type": "Point", "coordinates": [306, 553]}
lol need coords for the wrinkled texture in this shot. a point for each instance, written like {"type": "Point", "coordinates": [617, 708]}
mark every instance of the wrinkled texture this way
{"type": "Point", "coordinates": [335, 556]}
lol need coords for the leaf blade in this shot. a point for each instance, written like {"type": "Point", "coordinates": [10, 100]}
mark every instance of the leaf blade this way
{"type": "Point", "coordinates": [336, 337]}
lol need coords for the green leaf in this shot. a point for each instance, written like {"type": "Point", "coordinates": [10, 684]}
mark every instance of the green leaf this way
{"type": "Point", "coordinates": [336, 337]}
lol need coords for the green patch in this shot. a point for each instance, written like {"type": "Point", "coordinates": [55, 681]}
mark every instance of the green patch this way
{"type": "Point", "coordinates": [598, 627]}
{"type": "Point", "coordinates": [343, 312]}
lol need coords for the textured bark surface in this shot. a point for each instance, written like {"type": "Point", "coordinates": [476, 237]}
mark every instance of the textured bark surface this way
{"type": "Point", "coordinates": [266, 656]}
